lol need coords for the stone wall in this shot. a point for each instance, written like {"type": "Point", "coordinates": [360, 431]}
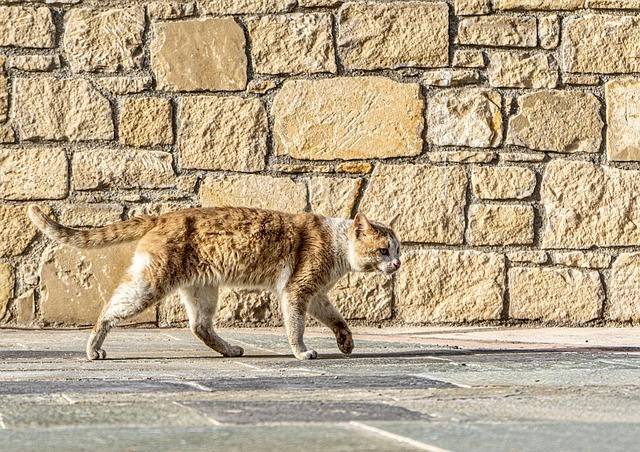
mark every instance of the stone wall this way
{"type": "Point", "coordinates": [502, 138]}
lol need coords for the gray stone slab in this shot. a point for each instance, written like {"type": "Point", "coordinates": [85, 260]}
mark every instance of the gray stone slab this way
{"type": "Point", "coordinates": [214, 438]}
{"type": "Point", "coordinates": [258, 412]}
{"type": "Point", "coordinates": [524, 437]}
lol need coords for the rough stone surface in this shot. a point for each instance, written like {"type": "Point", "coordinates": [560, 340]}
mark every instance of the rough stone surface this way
{"type": "Point", "coordinates": [560, 121]}
{"type": "Point", "coordinates": [549, 31]}
{"type": "Point", "coordinates": [25, 308]}
{"type": "Point", "coordinates": [60, 109]}
{"type": "Point", "coordinates": [543, 5]}
{"type": "Point", "coordinates": [35, 62]}
{"type": "Point", "coordinates": [461, 157]}
{"type": "Point", "coordinates": [4, 97]}
{"type": "Point", "coordinates": [601, 43]}
{"type": "Point", "coordinates": [471, 7]}
{"type": "Point", "coordinates": [7, 281]}
{"type": "Point", "coordinates": [450, 77]}
{"type": "Point", "coordinates": [558, 295]}
{"type": "Point", "coordinates": [589, 205]}
{"type": "Point", "coordinates": [623, 119]}
{"type": "Point", "coordinates": [121, 168]}
{"type": "Point", "coordinates": [75, 284]}
{"type": "Point", "coordinates": [623, 303]}
{"type": "Point", "coordinates": [90, 214]}
{"type": "Point", "coordinates": [103, 41]}
{"type": "Point", "coordinates": [522, 70]}
{"type": "Point", "coordinates": [199, 55]}
{"type": "Point", "coordinates": [222, 133]}
{"type": "Point", "coordinates": [614, 4]}
{"type": "Point", "coordinates": [25, 26]}
{"type": "Point", "coordinates": [123, 84]}
{"type": "Point", "coordinates": [16, 230]}
{"type": "Point", "coordinates": [392, 35]}
{"type": "Point", "coordinates": [254, 191]}
{"type": "Point", "coordinates": [458, 286]}
{"type": "Point", "coordinates": [347, 118]}
{"type": "Point", "coordinates": [146, 121]}
{"type": "Point", "coordinates": [292, 44]}
{"type": "Point", "coordinates": [581, 259]}
{"type": "Point", "coordinates": [170, 9]}
{"type": "Point", "coordinates": [497, 224]}
{"type": "Point", "coordinates": [333, 197]}
{"type": "Point", "coordinates": [498, 31]}
{"type": "Point", "coordinates": [465, 117]}
{"type": "Point", "coordinates": [468, 58]}
{"type": "Point", "coordinates": [364, 296]}
{"type": "Point", "coordinates": [531, 257]}
{"type": "Point", "coordinates": [244, 6]}
{"type": "Point", "coordinates": [426, 202]}
{"type": "Point", "coordinates": [7, 134]}
{"type": "Point", "coordinates": [580, 79]}
{"type": "Point", "coordinates": [33, 173]}
{"type": "Point", "coordinates": [506, 182]}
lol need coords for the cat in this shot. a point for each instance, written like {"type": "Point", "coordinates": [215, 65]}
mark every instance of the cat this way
{"type": "Point", "coordinates": [297, 256]}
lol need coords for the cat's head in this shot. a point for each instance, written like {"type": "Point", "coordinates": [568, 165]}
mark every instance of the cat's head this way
{"type": "Point", "coordinates": [373, 246]}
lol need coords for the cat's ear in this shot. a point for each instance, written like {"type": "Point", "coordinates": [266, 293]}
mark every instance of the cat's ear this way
{"type": "Point", "coordinates": [361, 224]}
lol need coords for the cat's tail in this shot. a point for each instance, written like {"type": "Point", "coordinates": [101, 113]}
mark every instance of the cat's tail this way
{"type": "Point", "coordinates": [124, 231]}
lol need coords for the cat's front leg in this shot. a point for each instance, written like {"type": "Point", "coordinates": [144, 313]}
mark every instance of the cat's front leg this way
{"type": "Point", "coordinates": [294, 309]}
{"type": "Point", "coordinates": [322, 310]}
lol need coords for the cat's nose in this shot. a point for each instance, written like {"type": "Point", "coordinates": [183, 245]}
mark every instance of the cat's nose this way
{"type": "Point", "coordinates": [396, 263]}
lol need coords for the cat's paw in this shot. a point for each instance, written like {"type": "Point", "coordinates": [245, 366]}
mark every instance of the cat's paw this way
{"type": "Point", "coordinates": [345, 341]}
{"type": "Point", "coordinates": [309, 354]}
{"type": "Point", "coordinates": [234, 351]}
{"type": "Point", "coordinates": [96, 354]}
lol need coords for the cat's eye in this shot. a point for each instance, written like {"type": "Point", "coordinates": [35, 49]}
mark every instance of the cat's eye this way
{"type": "Point", "coordinates": [384, 251]}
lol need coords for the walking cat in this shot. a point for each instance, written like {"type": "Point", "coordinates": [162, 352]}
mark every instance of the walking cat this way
{"type": "Point", "coordinates": [297, 256]}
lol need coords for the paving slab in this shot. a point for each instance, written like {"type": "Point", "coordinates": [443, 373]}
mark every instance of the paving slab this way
{"type": "Point", "coordinates": [410, 388]}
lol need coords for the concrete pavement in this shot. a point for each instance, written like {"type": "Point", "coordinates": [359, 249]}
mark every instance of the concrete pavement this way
{"type": "Point", "coordinates": [472, 388]}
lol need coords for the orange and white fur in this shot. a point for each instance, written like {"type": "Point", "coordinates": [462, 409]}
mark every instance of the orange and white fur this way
{"type": "Point", "coordinates": [297, 256]}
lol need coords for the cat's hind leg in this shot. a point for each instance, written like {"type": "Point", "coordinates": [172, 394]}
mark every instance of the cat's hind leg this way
{"type": "Point", "coordinates": [136, 292]}
{"type": "Point", "coordinates": [322, 310]}
{"type": "Point", "coordinates": [201, 302]}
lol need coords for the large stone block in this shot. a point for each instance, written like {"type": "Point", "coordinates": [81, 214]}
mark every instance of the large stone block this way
{"type": "Point", "coordinates": [33, 173]}
{"type": "Point", "coordinates": [559, 121]}
{"type": "Point", "coordinates": [7, 281]}
{"type": "Point", "coordinates": [75, 284]}
{"type": "Point", "coordinates": [624, 303]}
{"type": "Point", "coordinates": [254, 191]}
{"type": "Point", "coordinates": [104, 40]}
{"type": "Point", "coordinates": [581, 259]}
{"type": "Point", "coordinates": [347, 118]}
{"type": "Point", "coordinates": [16, 230]}
{"type": "Point", "coordinates": [465, 117]}
{"type": "Point", "coordinates": [542, 5]}
{"type": "Point", "coordinates": [199, 55]}
{"type": "Point", "coordinates": [509, 31]}
{"type": "Point", "coordinates": [392, 35]}
{"type": "Point", "coordinates": [559, 295]}
{"type": "Point", "coordinates": [623, 119]}
{"type": "Point", "coordinates": [498, 224]}
{"type": "Point", "coordinates": [589, 205]}
{"type": "Point", "coordinates": [363, 296]}
{"type": "Point", "coordinates": [506, 182]}
{"type": "Point", "coordinates": [613, 4]}
{"type": "Point", "coordinates": [333, 197]}
{"type": "Point", "coordinates": [522, 70]}
{"type": "Point", "coordinates": [47, 108]}
{"type": "Point", "coordinates": [471, 7]}
{"type": "Point", "coordinates": [26, 26]}
{"type": "Point", "coordinates": [450, 286]}
{"type": "Point", "coordinates": [601, 43]}
{"type": "Point", "coordinates": [292, 44]}
{"type": "Point", "coordinates": [222, 133]}
{"type": "Point", "coordinates": [146, 121]}
{"type": "Point", "coordinates": [122, 168]}
{"type": "Point", "coordinates": [426, 203]}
